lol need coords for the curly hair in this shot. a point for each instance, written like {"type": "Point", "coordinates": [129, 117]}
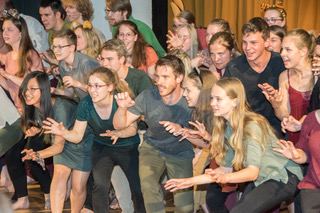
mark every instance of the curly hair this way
{"type": "Point", "coordinates": [83, 6]}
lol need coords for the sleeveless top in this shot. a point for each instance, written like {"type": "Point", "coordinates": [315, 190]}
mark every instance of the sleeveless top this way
{"type": "Point", "coordinates": [299, 102]}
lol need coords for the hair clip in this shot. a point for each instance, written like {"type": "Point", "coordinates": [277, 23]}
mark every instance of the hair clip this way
{"type": "Point", "coordinates": [74, 25]}
{"type": "Point", "coordinates": [14, 13]}
{"type": "Point", "coordinates": [87, 25]}
{"type": "Point", "coordinates": [278, 6]}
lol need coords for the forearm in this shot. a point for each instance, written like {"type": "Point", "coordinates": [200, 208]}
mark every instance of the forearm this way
{"type": "Point", "coordinates": [51, 151]}
{"type": "Point", "coordinates": [301, 158]}
{"type": "Point", "coordinates": [129, 131]}
{"type": "Point", "coordinates": [201, 179]}
{"type": "Point", "coordinates": [199, 142]}
{"type": "Point", "coordinates": [72, 136]}
{"type": "Point", "coordinates": [281, 113]}
{"type": "Point", "coordinates": [15, 79]}
{"type": "Point", "coordinates": [120, 118]}
{"type": "Point", "coordinates": [244, 175]}
{"type": "Point", "coordinates": [3, 83]}
{"type": "Point", "coordinates": [82, 86]}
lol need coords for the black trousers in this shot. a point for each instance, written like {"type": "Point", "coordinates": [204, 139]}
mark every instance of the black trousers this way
{"type": "Point", "coordinates": [17, 171]}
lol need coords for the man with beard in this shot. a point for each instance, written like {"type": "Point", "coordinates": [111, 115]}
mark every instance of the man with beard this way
{"type": "Point", "coordinates": [160, 150]}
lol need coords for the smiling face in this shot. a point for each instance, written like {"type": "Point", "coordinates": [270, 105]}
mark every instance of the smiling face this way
{"type": "Point", "coordinates": [191, 92]}
{"type": "Point", "coordinates": [48, 18]}
{"type": "Point", "coordinates": [273, 17]}
{"type": "Point", "coordinates": [81, 41]}
{"type": "Point", "coordinates": [290, 54]}
{"type": "Point", "coordinates": [127, 36]}
{"type": "Point", "coordinates": [219, 55]}
{"type": "Point", "coordinates": [166, 81]}
{"type": "Point", "coordinates": [183, 33]}
{"type": "Point", "coordinates": [72, 13]}
{"type": "Point", "coordinates": [222, 105]}
{"type": "Point", "coordinates": [211, 30]}
{"type": "Point", "coordinates": [275, 43]}
{"type": "Point", "coordinates": [11, 33]}
{"type": "Point", "coordinates": [98, 89]}
{"type": "Point", "coordinates": [254, 45]}
{"type": "Point", "coordinates": [32, 94]}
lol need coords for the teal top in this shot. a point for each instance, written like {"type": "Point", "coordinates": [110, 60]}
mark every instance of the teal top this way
{"type": "Point", "coordinates": [87, 112]}
{"type": "Point", "coordinates": [148, 35]}
{"type": "Point", "coordinates": [271, 164]}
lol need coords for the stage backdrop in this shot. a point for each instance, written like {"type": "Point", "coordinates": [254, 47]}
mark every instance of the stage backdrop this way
{"type": "Point", "coordinates": [300, 13]}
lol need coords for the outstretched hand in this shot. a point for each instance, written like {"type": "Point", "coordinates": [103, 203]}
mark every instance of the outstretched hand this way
{"type": "Point", "coordinates": [171, 127]}
{"type": "Point", "coordinates": [32, 132]}
{"type": "Point", "coordinates": [176, 184]}
{"type": "Point", "coordinates": [124, 100]}
{"type": "Point", "coordinates": [30, 155]}
{"type": "Point", "coordinates": [287, 149]}
{"type": "Point", "coordinates": [290, 124]}
{"type": "Point", "coordinates": [114, 135]}
{"type": "Point", "coordinates": [53, 127]}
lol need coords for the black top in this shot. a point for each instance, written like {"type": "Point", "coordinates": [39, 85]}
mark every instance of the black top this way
{"type": "Point", "coordinates": [315, 98]}
{"type": "Point", "coordinates": [240, 68]}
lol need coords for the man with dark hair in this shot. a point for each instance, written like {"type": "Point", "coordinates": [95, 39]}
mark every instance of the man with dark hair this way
{"type": "Point", "coordinates": [119, 10]}
{"type": "Point", "coordinates": [53, 17]}
{"type": "Point", "coordinates": [73, 66]}
{"type": "Point", "coordinates": [257, 66]}
{"type": "Point", "coordinates": [160, 150]}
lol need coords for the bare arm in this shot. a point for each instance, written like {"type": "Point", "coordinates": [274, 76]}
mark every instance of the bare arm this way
{"type": "Point", "coordinates": [288, 150]}
{"type": "Point", "coordinates": [15, 79]}
{"type": "Point", "coordinates": [249, 173]}
{"type": "Point", "coordinates": [129, 131]}
{"type": "Point", "coordinates": [75, 135]}
{"type": "Point", "coordinates": [283, 110]}
{"type": "Point", "coordinates": [123, 118]}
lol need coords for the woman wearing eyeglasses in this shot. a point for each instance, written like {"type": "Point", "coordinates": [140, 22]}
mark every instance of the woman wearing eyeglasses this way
{"type": "Point", "coordinates": [69, 158]}
{"type": "Point", "coordinates": [21, 60]}
{"type": "Point", "coordinates": [110, 146]}
{"type": "Point", "coordinates": [275, 15]}
{"type": "Point", "coordinates": [140, 54]}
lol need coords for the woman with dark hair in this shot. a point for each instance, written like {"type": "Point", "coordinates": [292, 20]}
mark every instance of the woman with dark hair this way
{"type": "Point", "coordinates": [69, 158]}
{"type": "Point", "coordinates": [21, 60]}
{"type": "Point", "coordinates": [119, 147]}
{"type": "Point", "coordinates": [277, 34]}
{"type": "Point", "coordinates": [140, 54]}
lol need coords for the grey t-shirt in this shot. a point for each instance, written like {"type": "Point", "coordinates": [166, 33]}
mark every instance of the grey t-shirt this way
{"type": "Point", "coordinates": [81, 67]}
{"type": "Point", "coordinates": [150, 104]}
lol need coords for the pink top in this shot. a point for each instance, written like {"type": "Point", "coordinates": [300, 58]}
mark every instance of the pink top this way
{"type": "Point", "coordinates": [309, 143]}
{"type": "Point", "coordinates": [152, 59]}
{"type": "Point", "coordinates": [299, 102]}
{"type": "Point", "coordinates": [12, 67]}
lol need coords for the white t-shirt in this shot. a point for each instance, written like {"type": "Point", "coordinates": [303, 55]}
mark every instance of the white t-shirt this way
{"type": "Point", "coordinates": [8, 112]}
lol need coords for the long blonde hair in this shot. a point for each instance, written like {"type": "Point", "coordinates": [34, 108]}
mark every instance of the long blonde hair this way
{"type": "Point", "coordinates": [241, 116]}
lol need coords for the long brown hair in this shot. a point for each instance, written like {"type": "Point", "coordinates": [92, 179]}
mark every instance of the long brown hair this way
{"type": "Point", "coordinates": [25, 47]}
{"type": "Point", "coordinates": [139, 56]}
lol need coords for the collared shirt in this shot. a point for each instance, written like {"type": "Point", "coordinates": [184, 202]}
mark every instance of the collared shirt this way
{"type": "Point", "coordinates": [81, 67]}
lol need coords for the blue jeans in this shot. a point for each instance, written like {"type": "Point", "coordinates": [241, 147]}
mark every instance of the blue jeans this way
{"type": "Point", "coordinates": [103, 159]}
{"type": "Point", "coordinates": [151, 167]}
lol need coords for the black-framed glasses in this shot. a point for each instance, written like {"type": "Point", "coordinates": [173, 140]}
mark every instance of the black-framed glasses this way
{"type": "Point", "coordinates": [31, 90]}
{"type": "Point", "coordinates": [59, 48]}
{"type": "Point", "coordinates": [272, 20]}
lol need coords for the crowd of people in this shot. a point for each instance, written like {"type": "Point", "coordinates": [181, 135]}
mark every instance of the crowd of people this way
{"type": "Point", "coordinates": [223, 128]}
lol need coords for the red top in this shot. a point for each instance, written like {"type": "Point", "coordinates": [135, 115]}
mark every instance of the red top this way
{"type": "Point", "coordinates": [299, 102]}
{"type": "Point", "coordinates": [309, 143]}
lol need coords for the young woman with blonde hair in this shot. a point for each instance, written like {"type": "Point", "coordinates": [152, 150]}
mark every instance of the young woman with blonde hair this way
{"type": "Point", "coordinates": [242, 143]}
